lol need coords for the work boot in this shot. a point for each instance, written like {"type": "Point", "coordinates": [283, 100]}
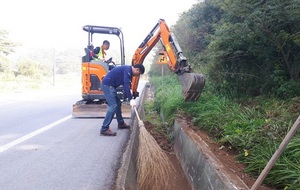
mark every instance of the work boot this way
{"type": "Point", "coordinates": [123, 126]}
{"type": "Point", "coordinates": [108, 132]}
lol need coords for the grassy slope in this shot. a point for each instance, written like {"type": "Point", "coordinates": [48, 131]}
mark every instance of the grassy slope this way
{"type": "Point", "coordinates": [253, 127]}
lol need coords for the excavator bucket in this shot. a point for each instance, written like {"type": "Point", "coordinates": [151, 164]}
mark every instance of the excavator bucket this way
{"type": "Point", "coordinates": [82, 109]}
{"type": "Point", "coordinates": [192, 86]}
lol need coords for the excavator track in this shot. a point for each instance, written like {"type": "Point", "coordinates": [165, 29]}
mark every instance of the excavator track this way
{"type": "Point", "coordinates": [192, 86]}
{"type": "Point", "coordinates": [83, 109]}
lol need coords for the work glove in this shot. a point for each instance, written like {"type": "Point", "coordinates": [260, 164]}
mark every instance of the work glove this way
{"type": "Point", "coordinates": [135, 94]}
{"type": "Point", "coordinates": [132, 103]}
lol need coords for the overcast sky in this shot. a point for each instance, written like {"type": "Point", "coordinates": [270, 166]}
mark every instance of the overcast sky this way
{"type": "Point", "coordinates": [58, 23]}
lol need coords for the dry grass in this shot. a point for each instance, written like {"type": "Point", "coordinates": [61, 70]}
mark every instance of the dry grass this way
{"type": "Point", "coordinates": [23, 84]}
{"type": "Point", "coordinates": [154, 166]}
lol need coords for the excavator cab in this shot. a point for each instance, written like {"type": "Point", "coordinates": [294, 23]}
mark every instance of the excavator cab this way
{"type": "Point", "coordinates": [93, 103]}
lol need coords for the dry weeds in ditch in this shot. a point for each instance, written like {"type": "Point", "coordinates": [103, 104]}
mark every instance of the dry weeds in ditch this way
{"type": "Point", "coordinates": [154, 166]}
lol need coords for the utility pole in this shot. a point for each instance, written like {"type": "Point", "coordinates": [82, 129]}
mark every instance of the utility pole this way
{"type": "Point", "coordinates": [53, 67]}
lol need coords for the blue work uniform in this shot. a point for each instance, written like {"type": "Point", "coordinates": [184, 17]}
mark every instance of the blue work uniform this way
{"type": "Point", "coordinates": [118, 76]}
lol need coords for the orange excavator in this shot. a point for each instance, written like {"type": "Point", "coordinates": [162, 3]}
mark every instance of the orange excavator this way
{"type": "Point", "coordinates": [192, 83]}
{"type": "Point", "coordinates": [93, 102]}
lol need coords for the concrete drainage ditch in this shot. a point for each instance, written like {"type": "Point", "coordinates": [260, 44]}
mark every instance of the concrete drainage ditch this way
{"type": "Point", "coordinates": [200, 166]}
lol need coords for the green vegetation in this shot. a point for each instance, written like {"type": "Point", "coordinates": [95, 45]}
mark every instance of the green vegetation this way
{"type": "Point", "coordinates": [35, 69]}
{"type": "Point", "coordinates": [246, 48]}
{"type": "Point", "coordinates": [249, 52]}
{"type": "Point", "coordinates": [254, 128]}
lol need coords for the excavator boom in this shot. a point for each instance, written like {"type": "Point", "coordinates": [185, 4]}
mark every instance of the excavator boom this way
{"type": "Point", "coordinates": [192, 83]}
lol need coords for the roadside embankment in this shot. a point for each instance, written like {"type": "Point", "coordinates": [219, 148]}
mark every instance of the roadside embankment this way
{"type": "Point", "coordinates": [203, 170]}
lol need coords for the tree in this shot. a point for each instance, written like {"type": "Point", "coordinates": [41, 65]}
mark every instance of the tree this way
{"type": "Point", "coordinates": [255, 49]}
{"type": "Point", "coordinates": [194, 28]}
{"type": "Point", "coordinates": [4, 66]}
{"type": "Point", "coordinates": [6, 46]}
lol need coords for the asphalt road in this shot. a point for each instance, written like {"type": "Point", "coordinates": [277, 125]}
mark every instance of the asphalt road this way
{"type": "Point", "coordinates": [43, 147]}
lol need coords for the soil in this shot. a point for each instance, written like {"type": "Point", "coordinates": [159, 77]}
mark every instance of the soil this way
{"type": "Point", "coordinates": [226, 157]}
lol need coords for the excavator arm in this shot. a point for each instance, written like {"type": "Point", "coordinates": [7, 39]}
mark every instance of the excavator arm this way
{"type": "Point", "coordinates": [192, 83]}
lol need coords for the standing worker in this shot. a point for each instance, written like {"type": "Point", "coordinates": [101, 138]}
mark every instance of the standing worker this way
{"type": "Point", "coordinates": [118, 76]}
{"type": "Point", "coordinates": [99, 52]}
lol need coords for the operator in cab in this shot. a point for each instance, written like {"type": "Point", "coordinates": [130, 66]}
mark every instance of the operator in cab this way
{"type": "Point", "coordinates": [100, 52]}
{"type": "Point", "coordinates": [121, 75]}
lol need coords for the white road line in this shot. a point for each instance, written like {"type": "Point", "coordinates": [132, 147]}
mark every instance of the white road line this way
{"type": "Point", "coordinates": [32, 134]}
